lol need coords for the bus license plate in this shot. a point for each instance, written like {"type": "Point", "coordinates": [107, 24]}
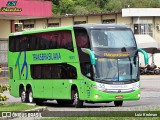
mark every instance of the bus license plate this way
{"type": "Point", "coordinates": [119, 97]}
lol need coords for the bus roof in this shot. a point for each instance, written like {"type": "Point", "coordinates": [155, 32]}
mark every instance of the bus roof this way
{"type": "Point", "coordinates": [42, 30]}
{"type": "Point", "coordinates": [86, 26]}
{"type": "Point", "coordinates": [98, 26]}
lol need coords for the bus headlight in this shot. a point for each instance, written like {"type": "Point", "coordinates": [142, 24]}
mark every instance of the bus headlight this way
{"type": "Point", "coordinates": [138, 95]}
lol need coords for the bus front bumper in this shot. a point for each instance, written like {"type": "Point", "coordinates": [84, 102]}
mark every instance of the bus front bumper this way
{"type": "Point", "coordinates": [100, 96]}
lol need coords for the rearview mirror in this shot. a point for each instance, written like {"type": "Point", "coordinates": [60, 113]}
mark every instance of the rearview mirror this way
{"type": "Point", "coordinates": [91, 54]}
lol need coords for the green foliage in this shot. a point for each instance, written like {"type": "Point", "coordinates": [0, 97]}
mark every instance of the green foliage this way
{"type": "Point", "coordinates": [114, 5]}
{"type": "Point", "coordinates": [81, 10]}
{"type": "Point", "coordinates": [92, 7]}
{"type": "Point", "coordinates": [55, 9]}
{"type": "Point", "coordinates": [2, 89]}
{"type": "Point", "coordinates": [16, 107]}
{"type": "Point", "coordinates": [142, 3]}
{"type": "Point", "coordinates": [62, 7]}
{"type": "Point", "coordinates": [66, 7]}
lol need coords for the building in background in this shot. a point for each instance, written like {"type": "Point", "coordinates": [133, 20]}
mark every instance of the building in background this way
{"type": "Point", "coordinates": [143, 21]}
{"type": "Point", "coordinates": [11, 14]}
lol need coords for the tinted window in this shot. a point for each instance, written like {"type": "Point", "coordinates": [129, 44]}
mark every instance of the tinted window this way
{"type": "Point", "coordinates": [82, 39]}
{"type": "Point", "coordinates": [41, 41]}
{"type": "Point", "coordinates": [10, 72]}
{"type": "Point", "coordinates": [53, 71]}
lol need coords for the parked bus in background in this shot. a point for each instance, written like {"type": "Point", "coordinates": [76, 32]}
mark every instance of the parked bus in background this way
{"type": "Point", "coordinates": [74, 64]}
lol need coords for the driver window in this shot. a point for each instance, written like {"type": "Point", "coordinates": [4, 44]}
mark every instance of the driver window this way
{"type": "Point", "coordinates": [82, 41]}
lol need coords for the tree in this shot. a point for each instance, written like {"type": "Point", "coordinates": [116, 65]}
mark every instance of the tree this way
{"type": "Point", "coordinates": [113, 5]}
{"type": "Point", "coordinates": [66, 7]}
{"type": "Point", "coordinates": [2, 89]}
{"type": "Point", "coordinates": [142, 3]}
{"type": "Point", "coordinates": [81, 10]}
{"type": "Point", "coordinates": [92, 6]}
{"type": "Point", "coordinates": [56, 2]}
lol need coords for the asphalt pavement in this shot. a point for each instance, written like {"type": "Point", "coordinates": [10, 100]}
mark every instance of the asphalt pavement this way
{"type": "Point", "coordinates": [150, 99]}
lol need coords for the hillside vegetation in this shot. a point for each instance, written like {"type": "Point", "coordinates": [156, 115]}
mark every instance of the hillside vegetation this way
{"type": "Point", "coordinates": [61, 7]}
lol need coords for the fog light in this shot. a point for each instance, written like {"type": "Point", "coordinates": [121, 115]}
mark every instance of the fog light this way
{"type": "Point", "coordinates": [138, 95]}
{"type": "Point", "coordinates": [97, 96]}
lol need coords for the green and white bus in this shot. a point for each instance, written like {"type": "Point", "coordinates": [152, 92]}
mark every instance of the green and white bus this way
{"type": "Point", "coordinates": [92, 63]}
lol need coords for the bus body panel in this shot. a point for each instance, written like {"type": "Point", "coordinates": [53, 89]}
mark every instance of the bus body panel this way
{"type": "Point", "coordinates": [99, 96]}
{"type": "Point", "coordinates": [21, 63]}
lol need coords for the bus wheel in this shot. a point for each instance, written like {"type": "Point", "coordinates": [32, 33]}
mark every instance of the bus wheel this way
{"type": "Point", "coordinates": [76, 101]}
{"type": "Point", "coordinates": [23, 95]}
{"type": "Point", "coordinates": [118, 103]}
{"type": "Point", "coordinates": [30, 96]}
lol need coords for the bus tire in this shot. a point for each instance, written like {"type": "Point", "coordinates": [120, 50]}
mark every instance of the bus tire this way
{"type": "Point", "coordinates": [30, 96]}
{"type": "Point", "coordinates": [23, 95]}
{"type": "Point", "coordinates": [76, 101]}
{"type": "Point", "coordinates": [118, 103]}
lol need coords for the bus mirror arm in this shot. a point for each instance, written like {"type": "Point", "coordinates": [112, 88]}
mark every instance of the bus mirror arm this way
{"type": "Point", "coordinates": [91, 54]}
{"type": "Point", "coordinates": [145, 55]}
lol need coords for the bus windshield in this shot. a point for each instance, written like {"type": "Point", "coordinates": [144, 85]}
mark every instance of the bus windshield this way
{"type": "Point", "coordinates": [112, 38]}
{"type": "Point", "coordinates": [110, 70]}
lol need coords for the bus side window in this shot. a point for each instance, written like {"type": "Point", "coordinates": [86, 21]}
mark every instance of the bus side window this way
{"type": "Point", "coordinates": [37, 43]}
{"type": "Point", "coordinates": [82, 40]}
{"type": "Point", "coordinates": [42, 43]}
{"type": "Point", "coordinates": [46, 72]}
{"type": "Point", "coordinates": [52, 44]}
{"type": "Point", "coordinates": [11, 44]}
{"type": "Point", "coordinates": [68, 43]}
{"type": "Point", "coordinates": [32, 42]}
{"type": "Point", "coordinates": [33, 73]}
{"type": "Point", "coordinates": [54, 71]}
{"type": "Point", "coordinates": [17, 45]}
{"type": "Point", "coordinates": [64, 40]}
{"type": "Point", "coordinates": [38, 72]}
{"type": "Point", "coordinates": [67, 71]}
{"type": "Point", "coordinates": [23, 43]}
{"type": "Point", "coordinates": [63, 72]}
{"type": "Point", "coordinates": [53, 41]}
{"type": "Point", "coordinates": [72, 72]}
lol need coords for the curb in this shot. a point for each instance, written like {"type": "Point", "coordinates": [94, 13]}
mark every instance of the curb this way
{"type": "Point", "coordinates": [38, 109]}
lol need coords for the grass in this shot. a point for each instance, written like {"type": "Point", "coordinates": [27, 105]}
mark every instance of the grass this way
{"type": "Point", "coordinates": [108, 115]}
{"type": "Point", "coordinates": [103, 118]}
{"type": "Point", "coordinates": [16, 107]}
